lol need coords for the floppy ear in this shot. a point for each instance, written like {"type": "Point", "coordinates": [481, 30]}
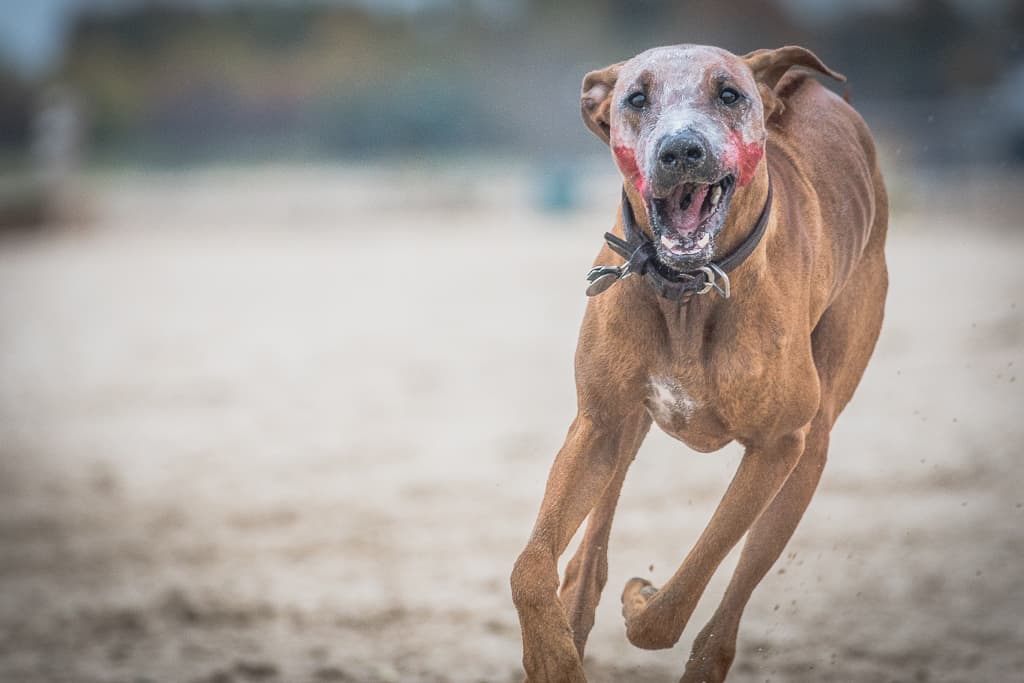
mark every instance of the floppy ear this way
{"type": "Point", "coordinates": [595, 101]}
{"type": "Point", "coordinates": [770, 65]}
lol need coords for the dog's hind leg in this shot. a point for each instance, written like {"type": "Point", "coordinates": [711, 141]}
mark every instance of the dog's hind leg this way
{"type": "Point", "coordinates": [656, 618]}
{"type": "Point", "coordinates": [587, 571]}
{"type": "Point", "coordinates": [593, 453]}
{"type": "Point", "coordinates": [715, 646]}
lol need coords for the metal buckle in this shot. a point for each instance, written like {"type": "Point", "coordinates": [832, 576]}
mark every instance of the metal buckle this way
{"type": "Point", "coordinates": [603, 277]}
{"type": "Point", "coordinates": [711, 271]}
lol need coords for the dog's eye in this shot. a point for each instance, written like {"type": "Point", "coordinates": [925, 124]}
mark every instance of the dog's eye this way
{"type": "Point", "coordinates": [729, 96]}
{"type": "Point", "coordinates": [637, 100]}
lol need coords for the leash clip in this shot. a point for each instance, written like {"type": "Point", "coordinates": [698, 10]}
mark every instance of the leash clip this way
{"type": "Point", "coordinates": [603, 277]}
{"type": "Point", "coordinates": [711, 271]}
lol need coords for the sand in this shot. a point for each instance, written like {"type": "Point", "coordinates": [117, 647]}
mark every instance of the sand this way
{"type": "Point", "coordinates": [263, 426]}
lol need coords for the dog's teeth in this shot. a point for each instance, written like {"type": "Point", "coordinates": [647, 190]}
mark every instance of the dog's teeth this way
{"type": "Point", "coordinates": [703, 240]}
{"type": "Point", "coordinates": [716, 195]}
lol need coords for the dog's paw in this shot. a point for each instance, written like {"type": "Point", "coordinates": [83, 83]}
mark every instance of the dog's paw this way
{"type": "Point", "coordinates": [552, 658]}
{"type": "Point", "coordinates": [554, 669]}
{"type": "Point", "coordinates": [712, 670]}
{"type": "Point", "coordinates": [635, 596]}
{"type": "Point", "coordinates": [711, 657]}
{"type": "Point", "coordinates": [645, 628]}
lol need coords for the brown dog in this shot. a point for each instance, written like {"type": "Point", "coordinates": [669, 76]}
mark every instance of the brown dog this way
{"type": "Point", "coordinates": [730, 164]}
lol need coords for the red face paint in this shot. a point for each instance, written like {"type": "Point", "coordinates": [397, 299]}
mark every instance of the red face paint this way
{"type": "Point", "coordinates": [625, 157]}
{"type": "Point", "coordinates": [748, 156]}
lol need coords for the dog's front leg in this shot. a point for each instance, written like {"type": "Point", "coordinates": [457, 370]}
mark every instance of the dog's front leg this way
{"type": "Point", "coordinates": [593, 452]}
{"type": "Point", "coordinates": [656, 618]}
{"type": "Point", "coordinates": [715, 646]}
{"type": "Point", "coordinates": [587, 571]}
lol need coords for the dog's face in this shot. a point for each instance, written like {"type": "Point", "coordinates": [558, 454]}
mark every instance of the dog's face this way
{"type": "Point", "coordinates": [686, 125]}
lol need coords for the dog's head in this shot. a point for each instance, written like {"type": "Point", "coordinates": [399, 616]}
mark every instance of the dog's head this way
{"type": "Point", "coordinates": [686, 125]}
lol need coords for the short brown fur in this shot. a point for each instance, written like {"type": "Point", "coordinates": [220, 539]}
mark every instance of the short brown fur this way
{"type": "Point", "coordinates": [772, 368]}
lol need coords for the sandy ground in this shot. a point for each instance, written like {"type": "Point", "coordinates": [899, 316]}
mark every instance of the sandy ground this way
{"type": "Point", "coordinates": [254, 429]}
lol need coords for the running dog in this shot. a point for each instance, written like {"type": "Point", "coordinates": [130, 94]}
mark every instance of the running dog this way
{"type": "Point", "coordinates": [738, 298]}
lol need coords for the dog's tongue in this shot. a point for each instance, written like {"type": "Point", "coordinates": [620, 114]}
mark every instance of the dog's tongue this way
{"type": "Point", "coordinates": [686, 220]}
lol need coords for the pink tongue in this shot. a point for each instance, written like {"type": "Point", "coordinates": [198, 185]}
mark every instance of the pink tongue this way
{"type": "Point", "coordinates": [688, 218]}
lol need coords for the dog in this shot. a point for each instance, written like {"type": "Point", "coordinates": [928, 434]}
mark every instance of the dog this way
{"type": "Point", "coordinates": [738, 298]}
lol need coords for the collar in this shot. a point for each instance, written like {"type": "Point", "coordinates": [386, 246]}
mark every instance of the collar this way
{"type": "Point", "coordinates": [641, 258]}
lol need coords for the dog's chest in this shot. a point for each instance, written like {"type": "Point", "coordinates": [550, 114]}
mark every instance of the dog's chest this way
{"type": "Point", "coordinates": [667, 400]}
{"type": "Point", "coordinates": [685, 414]}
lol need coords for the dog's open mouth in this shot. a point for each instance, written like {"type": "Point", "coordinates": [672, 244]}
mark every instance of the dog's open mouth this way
{"type": "Point", "coordinates": [686, 220]}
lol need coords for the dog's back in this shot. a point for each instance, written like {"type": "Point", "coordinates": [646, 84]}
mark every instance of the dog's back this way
{"type": "Point", "coordinates": [821, 136]}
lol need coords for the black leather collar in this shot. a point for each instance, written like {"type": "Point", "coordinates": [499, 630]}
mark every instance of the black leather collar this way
{"type": "Point", "coordinates": [641, 258]}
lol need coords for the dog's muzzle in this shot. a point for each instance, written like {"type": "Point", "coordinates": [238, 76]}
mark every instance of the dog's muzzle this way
{"type": "Point", "coordinates": [640, 254]}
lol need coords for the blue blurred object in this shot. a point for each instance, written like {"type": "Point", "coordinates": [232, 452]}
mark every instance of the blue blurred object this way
{"type": "Point", "coordinates": [557, 187]}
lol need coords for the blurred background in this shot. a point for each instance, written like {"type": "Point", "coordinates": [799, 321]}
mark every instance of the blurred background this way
{"type": "Point", "coordinates": [288, 300]}
{"type": "Point", "coordinates": [213, 81]}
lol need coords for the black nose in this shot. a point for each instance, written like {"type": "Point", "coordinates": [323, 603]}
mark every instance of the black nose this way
{"type": "Point", "coordinates": [679, 151]}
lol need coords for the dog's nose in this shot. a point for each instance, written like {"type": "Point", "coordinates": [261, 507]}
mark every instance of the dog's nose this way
{"type": "Point", "coordinates": [681, 151]}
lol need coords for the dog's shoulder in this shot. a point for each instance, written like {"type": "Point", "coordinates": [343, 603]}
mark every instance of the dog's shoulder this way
{"type": "Point", "coordinates": [812, 113]}
{"type": "Point", "coordinates": [791, 83]}
{"type": "Point", "coordinates": [803, 94]}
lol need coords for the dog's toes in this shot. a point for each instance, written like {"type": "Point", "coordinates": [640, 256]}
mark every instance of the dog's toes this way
{"type": "Point", "coordinates": [645, 628]}
{"type": "Point", "coordinates": [708, 666]}
{"type": "Point", "coordinates": [635, 596]}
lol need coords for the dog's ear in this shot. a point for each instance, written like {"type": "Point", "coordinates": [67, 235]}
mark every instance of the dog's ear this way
{"type": "Point", "coordinates": [595, 100]}
{"type": "Point", "coordinates": [769, 66]}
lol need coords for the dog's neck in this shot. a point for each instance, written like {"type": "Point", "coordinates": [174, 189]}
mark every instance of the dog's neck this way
{"type": "Point", "coordinates": [699, 314]}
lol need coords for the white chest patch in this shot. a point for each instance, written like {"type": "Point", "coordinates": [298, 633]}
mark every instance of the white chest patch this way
{"type": "Point", "coordinates": [668, 400]}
